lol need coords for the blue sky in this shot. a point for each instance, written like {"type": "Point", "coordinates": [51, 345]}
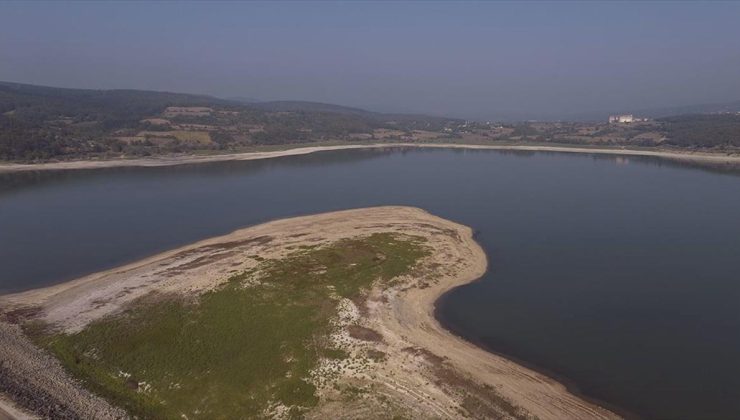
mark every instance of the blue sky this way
{"type": "Point", "coordinates": [469, 59]}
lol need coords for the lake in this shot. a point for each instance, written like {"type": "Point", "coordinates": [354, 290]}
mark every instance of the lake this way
{"type": "Point", "coordinates": [620, 275]}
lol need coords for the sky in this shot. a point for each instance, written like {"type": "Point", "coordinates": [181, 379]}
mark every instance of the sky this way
{"type": "Point", "coordinates": [478, 60]}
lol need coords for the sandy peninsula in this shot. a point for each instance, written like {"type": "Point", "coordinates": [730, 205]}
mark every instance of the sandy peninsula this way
{"type": "Point", "coordinates": [429, 371]}
{"type": "Point", "coordinates": [712, 159]}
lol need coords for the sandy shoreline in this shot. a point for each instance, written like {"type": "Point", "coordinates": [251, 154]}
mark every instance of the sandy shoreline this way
{"type": "Point", "coordinates": [698, 157]}
{"type": "Point", "coordinates": [420, 351]}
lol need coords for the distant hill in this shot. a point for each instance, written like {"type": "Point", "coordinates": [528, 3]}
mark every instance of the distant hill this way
{"type": "Point", "coordinates": [17, 91]}
{"type": "Point", "coordinates": [112, 108]}
{"type": "Point", "coordinates": [41, 122]}
{"type": "Point", "coordinates": [306, 106]}
{"type": "Point", "coordinates": [244, 100]}
{"type": "Point", "coordinates": [408, 121]}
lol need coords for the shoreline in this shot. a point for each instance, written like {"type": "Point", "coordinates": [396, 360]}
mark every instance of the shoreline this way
{"type": "Point", "coordinates": [571, 385]}
{"type": "Point", "coordinates": [685, 156]}
{"type": "Point", "coordinates": [405, 316]}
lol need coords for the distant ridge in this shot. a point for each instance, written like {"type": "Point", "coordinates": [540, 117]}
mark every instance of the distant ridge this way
{"type": "Point", "coordinates": [244, 100]}
{"type": "Point", "coordinates": [22, 92]}
{"type": "Point", "coordinates": [419, 121]}
{"type": "Point", "coordinates": [308, 106]}
{"type": "Point", "coordinates": [40, 91]}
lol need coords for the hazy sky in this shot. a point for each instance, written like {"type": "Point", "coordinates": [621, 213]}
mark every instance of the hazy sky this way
{"type": "Point", "coordinates": [478, 60]}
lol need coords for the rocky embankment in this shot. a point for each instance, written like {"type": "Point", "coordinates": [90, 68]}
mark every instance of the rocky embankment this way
{"type": "Point", "coordinates": [36, 382]}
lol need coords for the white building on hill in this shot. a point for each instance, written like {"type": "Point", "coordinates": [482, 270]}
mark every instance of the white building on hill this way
{"type": "Point", "coordinates": [626, 118]}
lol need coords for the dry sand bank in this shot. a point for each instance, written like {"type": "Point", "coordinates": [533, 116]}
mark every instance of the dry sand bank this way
{"type": "Point", "coordinates": [425, 369]}
{"type": "Point", "coordinates": [696, 157]}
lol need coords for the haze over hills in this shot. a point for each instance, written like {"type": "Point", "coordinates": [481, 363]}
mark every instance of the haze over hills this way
{"type": "Point", "coordinates": [494, 61]}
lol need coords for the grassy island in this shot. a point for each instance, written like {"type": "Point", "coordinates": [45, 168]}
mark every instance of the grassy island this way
{"type": "Point", "coordinates": [240, 349]}
{"type": "Point", "coordinates": [323, 316]}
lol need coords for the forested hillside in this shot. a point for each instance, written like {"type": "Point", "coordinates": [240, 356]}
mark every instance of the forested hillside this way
{"type": "Point", "coordinates": [39, 123]}
{"type": "Point", "coordinates": [710, 130]}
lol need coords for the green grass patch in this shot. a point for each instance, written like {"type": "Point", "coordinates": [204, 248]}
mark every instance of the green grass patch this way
{"type": "Point", "coordinates": [336, 354]}
{"type": "Point", "coordinates": [233, 351]}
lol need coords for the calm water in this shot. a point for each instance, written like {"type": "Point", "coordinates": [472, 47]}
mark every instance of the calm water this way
{"type": "Point", "coordinates": [621, 276]}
